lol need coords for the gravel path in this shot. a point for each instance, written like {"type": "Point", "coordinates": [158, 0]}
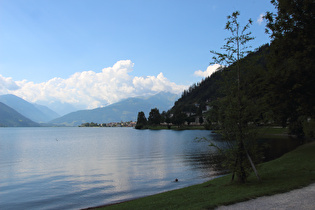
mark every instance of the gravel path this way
{"type": "Point", "coordinates": [300, 199]}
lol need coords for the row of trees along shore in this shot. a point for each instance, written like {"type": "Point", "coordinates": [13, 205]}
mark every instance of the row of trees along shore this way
{"type": "Point", "coordinates": [166, 118]}
{"type": "Point", "coordinates": [274, 85]}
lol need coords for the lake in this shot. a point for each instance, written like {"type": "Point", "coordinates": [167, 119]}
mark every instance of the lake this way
{"type": "Point", "coordinates": [73, 168]}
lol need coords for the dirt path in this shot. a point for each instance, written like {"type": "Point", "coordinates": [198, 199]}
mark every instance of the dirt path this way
{"type": "Point", "coordinates": [300, 199]}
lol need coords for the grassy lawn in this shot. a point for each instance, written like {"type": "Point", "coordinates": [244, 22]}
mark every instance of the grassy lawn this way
{"type": "Point", "coordinates": [267, 132]}
{"type": "Point", "coordinates": [293, 170]}
{"type": "Point", "coordinates": [174, 127]}
{"type": "Point", "coordinates": [274, 132]}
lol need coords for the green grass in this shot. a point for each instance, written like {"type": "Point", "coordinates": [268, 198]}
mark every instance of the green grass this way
{"type": "Point", "coordinates": [265, 132]}
{"type": "Point", "coordinates": [293, 170]}
{"type": "Point", "coordinates": [174, 127]}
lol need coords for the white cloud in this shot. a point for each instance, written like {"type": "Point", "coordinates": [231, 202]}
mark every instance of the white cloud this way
{"type": "Point", "coordinates": [210, 70]}
{"type": "Point", "coordinates": [7, 84]}
{"type": "Point", "coordinates": [90, 89]}
{"type": "Point", "coordinates": [156, 84]}
{"type": "Point", "coordinates": [260, 19]}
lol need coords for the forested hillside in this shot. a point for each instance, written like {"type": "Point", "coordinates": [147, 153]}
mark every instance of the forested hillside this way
{"type": "Point", "coordinates": [276, 81]}
{"type": "Point", "coordinates": [254, 75]}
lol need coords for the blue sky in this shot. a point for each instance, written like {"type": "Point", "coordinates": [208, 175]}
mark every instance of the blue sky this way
{"type": "Point", "coordinates": [45, 40]}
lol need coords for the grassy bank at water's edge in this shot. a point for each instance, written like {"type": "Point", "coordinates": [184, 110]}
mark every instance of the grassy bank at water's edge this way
{"type": "Point", "coordinates": [173, 127]}
{"type": "Point", "coordinates": [293, 170]}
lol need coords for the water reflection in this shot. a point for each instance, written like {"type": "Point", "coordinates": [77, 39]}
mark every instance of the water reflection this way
{"type": "Point", "coordinates": [269, 148]}
{"type": "Point", "coordinates": [95, 166]}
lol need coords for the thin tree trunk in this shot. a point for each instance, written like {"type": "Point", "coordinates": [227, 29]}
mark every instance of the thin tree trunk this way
{"type": "Point", "coordinates": [234, 171]}
{"type": "Point", "coordinates": [252, 164]}
{"type": "Point", "coordinates": [242, 145]}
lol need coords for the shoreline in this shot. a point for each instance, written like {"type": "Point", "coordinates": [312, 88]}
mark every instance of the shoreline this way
{"type": "Point", "coordinates": [145, 196]}
{"type": "Point", "coordinates": [299, 172]}
{"type": "Point", "coordinates": [275, 199]}
{"type": "Point", "coordinates": [237, 205]}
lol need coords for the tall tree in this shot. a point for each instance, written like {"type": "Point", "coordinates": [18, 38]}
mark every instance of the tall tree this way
{"type": "Point", "coordinates": [154, 117]}
{"type": "Point", "coordinates": [141, 120]}
{"type": "Point", "coordinates": [178, 117]}
{"type": "Point", "coordinates": [292, 72]}
{"type": "Point", "coordinates": [234, 118]}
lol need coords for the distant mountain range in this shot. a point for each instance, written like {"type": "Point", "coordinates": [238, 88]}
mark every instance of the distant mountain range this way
{"type": "Point", "coordinates": [15, 111]}
{"type": "Point", "coordinates": [35, 112]}
{"type": "Point", "coordinates": [125, 110]}
{"type": "Point", "coordinates": [11, 118]}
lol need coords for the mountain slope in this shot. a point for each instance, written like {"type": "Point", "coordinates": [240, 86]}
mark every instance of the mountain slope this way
{"type": "Point", "coordinates": [59, 107]}
{"type": "Point", "coordinates": [125, 110]}
{"type": "Point", "coordinates": [50, 114]}
{"type": "Point", "coordinates": [36, 113]}
{"type": "Point", "coordinates": [11, 118]}
{"type": "Point", "coordinates": [254, 74]}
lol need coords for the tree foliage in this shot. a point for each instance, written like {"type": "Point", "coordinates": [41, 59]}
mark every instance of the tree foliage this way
{"type": "Point", "coordinates": [235, 109]}
{"type": "Point", "coordinates": [141, 120]}
{"type": "Point", "coordinates": [154, 117]}
{"type": "Point", "coordinates": [236, 46]}
{"type": "Point", "coordinates": [292, 75]}
{"type": "Point", "coordinates": [179, 118]}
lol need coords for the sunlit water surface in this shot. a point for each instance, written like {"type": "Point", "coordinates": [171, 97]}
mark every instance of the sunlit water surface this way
{"type": "Point", "coordinates": [73, 168]}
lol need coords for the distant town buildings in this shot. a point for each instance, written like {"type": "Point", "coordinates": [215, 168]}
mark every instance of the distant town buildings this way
{"type": "Point", "coordinates": [119, 124]}
{"type": "Point", "coordinates": [111, 124]}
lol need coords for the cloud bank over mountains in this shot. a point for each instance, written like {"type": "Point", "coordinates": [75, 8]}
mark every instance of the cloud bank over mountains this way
{"type": "Point", "coordinates": [89, 89]}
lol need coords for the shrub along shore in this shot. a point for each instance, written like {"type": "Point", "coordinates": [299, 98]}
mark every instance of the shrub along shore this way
{"type": "Point", "coordinates": [293, 170]}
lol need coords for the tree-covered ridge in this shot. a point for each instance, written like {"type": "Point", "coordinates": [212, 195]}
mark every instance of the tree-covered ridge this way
{"type": "Point", "coordinates": [277, 79]}
{"type": "Point", "coordinates": [213, 87]}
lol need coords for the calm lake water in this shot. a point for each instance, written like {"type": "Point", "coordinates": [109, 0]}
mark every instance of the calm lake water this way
{"type": "Point", "coordinates": [73, 168]}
